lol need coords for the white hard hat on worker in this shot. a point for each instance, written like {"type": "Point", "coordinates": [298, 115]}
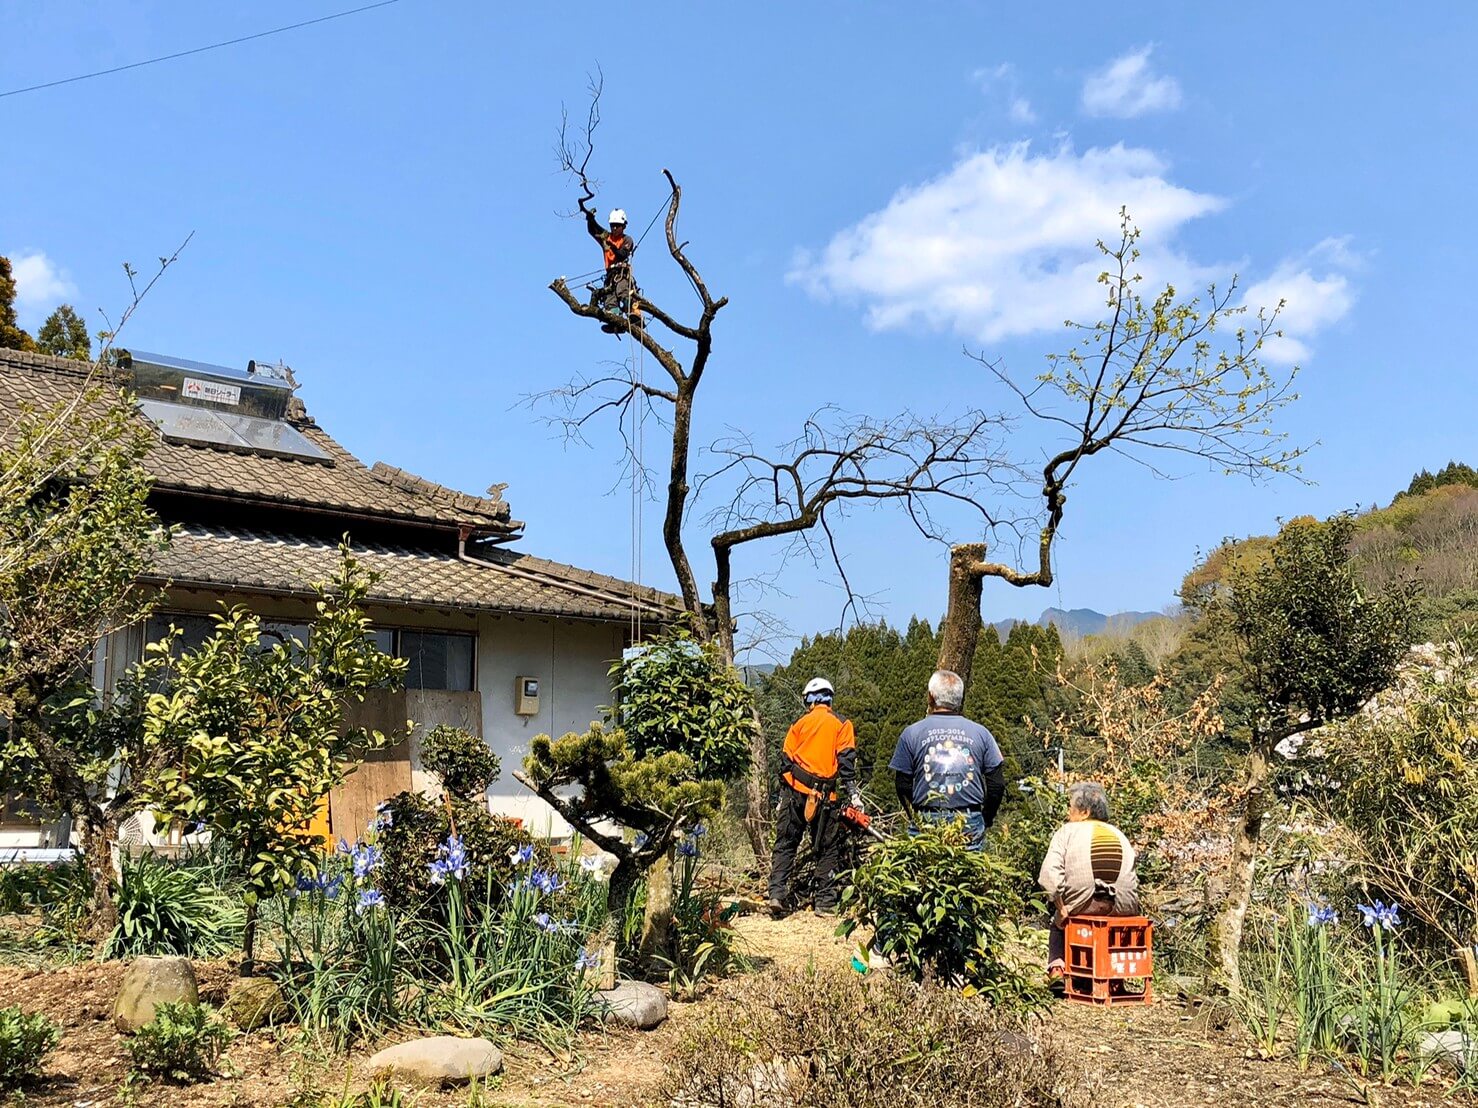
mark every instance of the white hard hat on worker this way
{"type": "Point", "coordinates": [817, 688]}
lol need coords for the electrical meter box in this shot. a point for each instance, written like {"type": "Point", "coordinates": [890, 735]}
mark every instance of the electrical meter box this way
{"type": "Point", "coordinates": [526, 696]}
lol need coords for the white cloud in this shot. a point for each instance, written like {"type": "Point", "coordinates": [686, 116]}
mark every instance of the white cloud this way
{"type": "Point", "coordinates": [1315, 291]}
{"type": "Point", "coordinates": [1127, 87]}
{"type": "Point", "coordinates": [40, 285]}
{"type": "Point", "coordinates": [991, 79]}
{"type": "Point", "coordinates": [1002, 244]}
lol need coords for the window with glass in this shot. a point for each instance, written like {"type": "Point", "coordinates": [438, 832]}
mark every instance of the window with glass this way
{"type": "Point", "coordinates": [438, 660]}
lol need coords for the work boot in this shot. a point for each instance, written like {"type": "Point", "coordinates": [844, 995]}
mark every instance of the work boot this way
{"type": "Point", "coordinates": [608, 328]}
{"type": "Point", "coordinates": [825, 909]}
{"type": "Point", "coordinates": [778, 908]}
{"type": "Point", "coordinates": [1056, 981]}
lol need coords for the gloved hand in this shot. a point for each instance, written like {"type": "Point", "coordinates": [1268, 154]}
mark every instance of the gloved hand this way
{"type": "Point", "coordinates": [855, 800]}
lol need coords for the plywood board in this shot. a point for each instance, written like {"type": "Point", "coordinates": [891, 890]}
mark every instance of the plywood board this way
{"type": "Point", "coordinates": [382, 774]}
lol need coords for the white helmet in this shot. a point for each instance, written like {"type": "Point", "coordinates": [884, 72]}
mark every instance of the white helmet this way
{"type": "Point", "coordinates": [618, 215]}
{"type": "Point", "coordinates": [816, 685]}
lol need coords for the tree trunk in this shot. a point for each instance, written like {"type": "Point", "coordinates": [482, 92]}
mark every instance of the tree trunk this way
{"type": "Point", "coordinates": [249, 942]}
{"type": "Point", "coordinates": [99, 832]}
{"type": "Point", "coordinates": [757, 783]}
{"type": "Point", "coordinates": [656, 930]}
{"type": "Point", "coordinates": [757, 823]}
{"type": "Point", "coordinates": [622, 884]}
{"type": "Point", "coordinates": [1227, 933]}
{"type": "Point", "coordinates": [961, 630]}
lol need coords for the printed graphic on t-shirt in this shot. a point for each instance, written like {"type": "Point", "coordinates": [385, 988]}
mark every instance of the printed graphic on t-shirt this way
{"type": "Point", "coordinates": [948, 763]}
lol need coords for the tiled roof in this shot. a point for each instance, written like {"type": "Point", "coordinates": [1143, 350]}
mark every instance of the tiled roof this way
{"type": "Point", "coordinates": [219, 559]}
{"type": "Point", "coordinates": [347, 486]}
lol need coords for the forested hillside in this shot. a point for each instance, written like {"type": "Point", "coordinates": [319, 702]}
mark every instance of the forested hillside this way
{"type": "Point", "coordinates": [1427, 535]}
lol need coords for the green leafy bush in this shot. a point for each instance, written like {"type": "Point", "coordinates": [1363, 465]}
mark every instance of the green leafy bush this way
{"type": "Point", "coordinates": [182, 1043]}
{"type": "Point", "coordinates": [168, 908]}
{"type": "Point", "coordinates": [938, 908]}
{"type": "Point", "coordinates": [675, 695]}
{"type": "Point", "coordinates": [24, 1042]}
{"type": "Point", "coordinates": [461, 760]}
{"type": "Point", "coordinates": [835, 1040]}
{"type": "Point", "coordinates": [30, 888]}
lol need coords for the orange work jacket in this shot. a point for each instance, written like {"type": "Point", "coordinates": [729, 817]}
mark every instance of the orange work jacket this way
{"type": "Point", "coordinates": [616, 248]}
{"type": "Point", "coordinates": [814, 741]}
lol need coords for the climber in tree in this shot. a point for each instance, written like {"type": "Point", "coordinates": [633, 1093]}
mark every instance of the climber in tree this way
{"type": "Point", "coordinates": [619, 292]}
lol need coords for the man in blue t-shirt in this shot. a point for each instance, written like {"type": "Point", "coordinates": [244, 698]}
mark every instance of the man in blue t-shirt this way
{"type": "Point", "coordinates": [947, 767]}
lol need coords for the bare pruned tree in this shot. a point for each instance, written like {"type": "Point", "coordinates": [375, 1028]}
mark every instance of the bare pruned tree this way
{"type": "Point", "coordinates": [838, 460]}
{"type": "Point", "coordinates": [1157, 378]}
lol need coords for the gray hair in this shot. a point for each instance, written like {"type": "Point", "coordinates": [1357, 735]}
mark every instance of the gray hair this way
{"type": "Point", "coordinates": [947, 690]}
{"type": "Point", "coordinates": [1090, 797]}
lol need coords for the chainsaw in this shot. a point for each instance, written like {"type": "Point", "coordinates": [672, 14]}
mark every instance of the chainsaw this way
{"type": "Point", "coordinates": [856, 817]}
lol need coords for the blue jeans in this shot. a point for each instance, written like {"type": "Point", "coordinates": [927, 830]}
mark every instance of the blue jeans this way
{"type": "Point", "coordinates": [973, 820]}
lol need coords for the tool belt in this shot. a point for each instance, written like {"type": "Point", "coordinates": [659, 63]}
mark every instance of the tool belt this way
{"type": "Point", "coordinates": [818, 790]}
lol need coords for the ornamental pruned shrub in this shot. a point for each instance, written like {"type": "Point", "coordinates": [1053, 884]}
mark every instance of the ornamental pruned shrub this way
{"type": "Point", "coordinates": [411, 829]}
{"type": "Point", "coordinates": [937, 909]}
{"type": "Point", "coordinates": [659, 762]}
{"type": "Point", "coordinates": [25, 1041]}
{"type": "Point", "coordinates": [460, 760]}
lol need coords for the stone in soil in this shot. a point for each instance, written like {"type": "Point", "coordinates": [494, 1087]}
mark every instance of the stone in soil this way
{"type": "Point", "coordinates": [150, 982]}
{"type": "Point", "coordinates": [439, 1060]}
{"type": "Point", "coordinates": [634, 1004]}
{"type": "Point", "coordinates": [255, 1002]}
{"type": "Point", "coordinates": [1450, 1048]}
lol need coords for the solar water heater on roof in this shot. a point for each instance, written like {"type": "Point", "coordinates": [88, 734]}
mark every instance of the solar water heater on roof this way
{"type": "Point", "coordinates": [231, 431]}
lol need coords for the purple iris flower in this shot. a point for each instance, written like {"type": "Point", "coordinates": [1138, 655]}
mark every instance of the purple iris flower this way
{"type": "Point", "coordinates": [451, 861]}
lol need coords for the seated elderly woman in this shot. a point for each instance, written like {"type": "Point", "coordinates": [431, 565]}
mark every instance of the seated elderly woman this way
{"type": "Point", "coordinates": [1088, 871]}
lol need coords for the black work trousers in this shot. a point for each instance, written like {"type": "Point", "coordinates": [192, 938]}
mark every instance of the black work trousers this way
{"type": "Point", "coordinates": [790, 826]}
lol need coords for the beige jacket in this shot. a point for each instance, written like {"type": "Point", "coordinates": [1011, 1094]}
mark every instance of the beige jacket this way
{"type": "Point", "coordinates": [1088, 859]}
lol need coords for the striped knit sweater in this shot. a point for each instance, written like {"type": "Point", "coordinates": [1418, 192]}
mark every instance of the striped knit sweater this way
{"type": "Point", "coordinates": [1089, 858]}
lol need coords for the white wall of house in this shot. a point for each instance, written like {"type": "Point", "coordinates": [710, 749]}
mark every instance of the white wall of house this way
{"type": "Point", "coordinates": [571, 660]}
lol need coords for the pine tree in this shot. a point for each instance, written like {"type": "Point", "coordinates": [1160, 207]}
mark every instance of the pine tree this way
{"type": "Point", "coordinates": [11, 335]}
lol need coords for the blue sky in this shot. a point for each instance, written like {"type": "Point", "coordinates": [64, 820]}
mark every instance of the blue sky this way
{"type": "Point", "coordinates": [375, 200]}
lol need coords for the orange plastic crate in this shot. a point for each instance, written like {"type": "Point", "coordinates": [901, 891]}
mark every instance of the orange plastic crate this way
{"type": "Point", "coordinates": [1110, 959]}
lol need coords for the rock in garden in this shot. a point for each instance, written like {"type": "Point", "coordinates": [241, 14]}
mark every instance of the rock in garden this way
{"type": "Point", "coordinates": [1450, 1048]}
{"type": "Point", "coordinates": [634, 1004]}
{"type": "Point", "coordinates": [439, 1060]}
{"type": "Point", "coordinates": [150, 982]}
{"type": "Point", "coordinates": [255, 1002]}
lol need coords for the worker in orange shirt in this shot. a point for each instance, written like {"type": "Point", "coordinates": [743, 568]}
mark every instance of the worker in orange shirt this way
{"type": "Point", "coordinates": [818, 763]}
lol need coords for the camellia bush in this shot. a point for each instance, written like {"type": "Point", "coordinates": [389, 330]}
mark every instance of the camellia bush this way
{"type": "Point", "coordinates": [938, 909]}
{"type": "Point", "coordinates": [250, 737]}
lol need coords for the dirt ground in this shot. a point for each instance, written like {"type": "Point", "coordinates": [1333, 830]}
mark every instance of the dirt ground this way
{"type": "Point", "coordinates": [1166, 1055]}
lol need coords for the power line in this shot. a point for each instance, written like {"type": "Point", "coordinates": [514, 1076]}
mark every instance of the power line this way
{"type": "Point", "coordinates": [198, 49]}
